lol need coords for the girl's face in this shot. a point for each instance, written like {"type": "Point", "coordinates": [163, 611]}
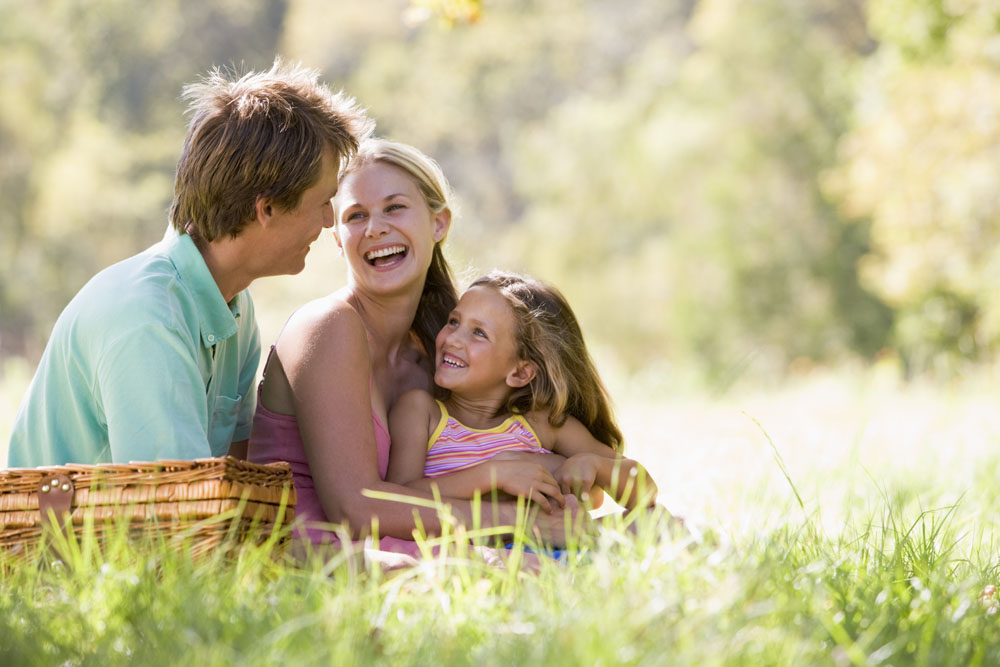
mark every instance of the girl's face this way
{"type": "Point", "coordinates": [476, 352]}
{"type": "Point", "coordinates": [384, 228]}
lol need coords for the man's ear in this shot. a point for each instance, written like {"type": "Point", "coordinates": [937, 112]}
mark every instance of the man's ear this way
{"type": "Point", "coordinates": [264, 210]}
{"type": "Point", "coordinates": [521, 375]}
{"type": "Point", "coordinates": [442, 223]}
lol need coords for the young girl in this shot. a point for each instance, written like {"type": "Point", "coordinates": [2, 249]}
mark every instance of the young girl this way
{"type": "Point", "coordinates": [524, 412]}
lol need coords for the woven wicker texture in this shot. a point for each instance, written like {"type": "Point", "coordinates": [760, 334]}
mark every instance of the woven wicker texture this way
{"type": "Point", "coordinates": [170, 498]}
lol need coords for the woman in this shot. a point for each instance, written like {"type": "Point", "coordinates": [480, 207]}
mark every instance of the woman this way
{"type": "Point", "coordinates": [342, 361]}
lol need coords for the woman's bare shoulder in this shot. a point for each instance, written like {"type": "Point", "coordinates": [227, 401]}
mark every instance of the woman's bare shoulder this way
{"type": "Point", "coordinates": [323, 330]}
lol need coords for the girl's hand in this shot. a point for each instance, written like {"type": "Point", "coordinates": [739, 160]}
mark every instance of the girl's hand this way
{"type": "Point", "coordinates": [527, 480]}
{"type": "Point", "coordinates": [578, 474]}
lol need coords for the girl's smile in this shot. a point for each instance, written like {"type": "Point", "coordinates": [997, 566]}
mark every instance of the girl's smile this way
{"type": "Point", "coordinates": [475, 349]}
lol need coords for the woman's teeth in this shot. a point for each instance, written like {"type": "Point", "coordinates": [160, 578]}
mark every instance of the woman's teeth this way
{"type": "Point", "coordinates": [373, 255]}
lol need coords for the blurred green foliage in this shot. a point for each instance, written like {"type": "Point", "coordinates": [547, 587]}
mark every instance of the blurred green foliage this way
{"type": "Point", "coordinates": [732, 186]}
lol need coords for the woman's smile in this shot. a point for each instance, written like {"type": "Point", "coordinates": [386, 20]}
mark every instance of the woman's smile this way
{"type": "Point", "coordinates": [387, 255]}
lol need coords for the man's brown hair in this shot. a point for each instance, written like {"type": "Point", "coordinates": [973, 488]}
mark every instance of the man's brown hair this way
{"type": "Point", "coordinates": [262, 134]}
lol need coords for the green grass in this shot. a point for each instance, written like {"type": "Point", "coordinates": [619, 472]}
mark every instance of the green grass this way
{"type": "Point", "coordinates": [844, 520]}
{"type": "Point", "coordinates": [900, 586]}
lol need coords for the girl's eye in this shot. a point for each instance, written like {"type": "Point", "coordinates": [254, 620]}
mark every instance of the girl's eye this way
{"type": "Point", "coordinates": [479, 332]}
{"type": "Point", "coordinates": [393, 207]}
{"type": "Point", "coordinates": [453, 321]}
{"type": "Point", "coordinates": [357, 215]}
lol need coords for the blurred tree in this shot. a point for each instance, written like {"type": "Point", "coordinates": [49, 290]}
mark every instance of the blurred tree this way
{"type": "Point", "coordinates": [923, 163]}
{"type": "Point", "coordinates": [463, 95]}
{"type": "Point", "coordinates": [91, 127]}
{"type": "Point", "coordinates": [680, 202]}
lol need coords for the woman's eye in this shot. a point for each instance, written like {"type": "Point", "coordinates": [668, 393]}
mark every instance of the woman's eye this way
{"type": "Point", "coordinates": [393, 207]}
{"type": "Point", "coordinates": [357, 215]}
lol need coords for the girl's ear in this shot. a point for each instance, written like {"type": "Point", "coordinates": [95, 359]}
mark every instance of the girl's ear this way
{"type": "Point", "coordinates": [336, 237]}
{"type": "Point", "coordinates": [521, 375]}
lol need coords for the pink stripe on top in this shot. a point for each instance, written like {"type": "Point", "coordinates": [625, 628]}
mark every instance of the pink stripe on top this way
{"type": "Point", "coordinates": [454, 446]}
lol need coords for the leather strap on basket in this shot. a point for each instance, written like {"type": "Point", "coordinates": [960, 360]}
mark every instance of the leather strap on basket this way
{"type": "Point", "coordinates": [55, 493]}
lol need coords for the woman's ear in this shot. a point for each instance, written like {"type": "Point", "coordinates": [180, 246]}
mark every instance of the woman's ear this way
{"type": "Point", "coordinates": [336, 237]}
{"type": "Point", "coordinates": [521, 375]}
{"type": "Point", "coordinates": [442, 223]}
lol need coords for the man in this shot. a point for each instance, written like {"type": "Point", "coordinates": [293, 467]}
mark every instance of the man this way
{"type": "Point", "coordinates": [155, 357]}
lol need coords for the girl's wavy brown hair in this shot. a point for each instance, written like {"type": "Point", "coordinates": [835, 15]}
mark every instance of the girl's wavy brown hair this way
{"type": "Point", "coordinates": [548, 335]}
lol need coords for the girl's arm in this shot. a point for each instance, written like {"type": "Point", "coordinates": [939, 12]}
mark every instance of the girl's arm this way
{"type": "Point", "coordinates": [410, 427]}
{"type": "Point", "coordinates": [324, 372]}
{"type": "Point", "coordinates": [590, 462]}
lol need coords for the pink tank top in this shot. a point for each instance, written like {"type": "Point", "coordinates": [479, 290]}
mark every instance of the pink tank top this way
{"type": "Point", "coordinates": [454, 446]}
{"type": "Point", "coordinates": [276, 437]}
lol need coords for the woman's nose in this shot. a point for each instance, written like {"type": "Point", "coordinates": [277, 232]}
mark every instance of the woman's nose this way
{"type": "Point", "coordinates": [376, 226]}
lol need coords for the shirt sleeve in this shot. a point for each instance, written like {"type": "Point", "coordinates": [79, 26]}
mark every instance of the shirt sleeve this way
{"type": "Point", "coordinates": [153, 396]}
{"type": "Point", "coordinates": [248, 371]}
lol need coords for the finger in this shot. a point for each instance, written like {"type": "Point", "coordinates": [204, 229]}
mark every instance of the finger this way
{"type": "Point", "coordinates": [538, 498]}
{"type": "Point", "coordinates": [551, 490]}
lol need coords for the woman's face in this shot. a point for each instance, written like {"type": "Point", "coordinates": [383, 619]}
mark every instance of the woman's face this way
{"type": "Point", "coordinates": [384, 229]}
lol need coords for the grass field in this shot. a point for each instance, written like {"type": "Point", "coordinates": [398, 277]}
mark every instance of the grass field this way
{"type": "Point", "coordinates": [841, 519]}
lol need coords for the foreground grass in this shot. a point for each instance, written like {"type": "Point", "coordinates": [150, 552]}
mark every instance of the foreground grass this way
{"type": "Point", "coordinates": [900, 586]}
{"type": "Point", "coordinates": [851, 520]}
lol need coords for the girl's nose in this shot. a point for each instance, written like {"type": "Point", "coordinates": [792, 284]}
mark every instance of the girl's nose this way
{"type": "Point", "coordinates": [453, 338]}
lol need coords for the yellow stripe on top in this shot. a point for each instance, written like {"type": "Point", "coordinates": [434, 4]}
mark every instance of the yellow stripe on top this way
{"type": "Point", "coordinates": [454, 446]}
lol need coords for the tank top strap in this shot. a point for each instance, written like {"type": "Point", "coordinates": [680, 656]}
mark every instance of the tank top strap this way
{"type": "Point", "coordinates": [442, 422]}
{"type": "Point", "coordinates": [263, 373]}
{"type": "Point", "coordinates": [526, 425]}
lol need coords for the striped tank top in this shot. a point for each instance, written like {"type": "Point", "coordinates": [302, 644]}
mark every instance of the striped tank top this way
{"type": "Point", "coordinates": [454, 446]}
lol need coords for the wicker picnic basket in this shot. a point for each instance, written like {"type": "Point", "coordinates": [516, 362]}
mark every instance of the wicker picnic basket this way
{"type": "Point", "coordinates": [199, 503]}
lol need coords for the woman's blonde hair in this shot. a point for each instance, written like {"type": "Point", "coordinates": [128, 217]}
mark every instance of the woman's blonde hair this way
{"type": "Point", "coordinates": [548, 335]}
{"type": "Point", "coordinates": [439, 296]}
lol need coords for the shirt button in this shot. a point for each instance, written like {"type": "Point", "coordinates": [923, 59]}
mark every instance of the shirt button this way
{"type": "Point", "coordinates": [211, 338]}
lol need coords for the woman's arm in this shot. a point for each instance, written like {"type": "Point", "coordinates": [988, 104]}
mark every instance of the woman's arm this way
{"type": "Point", "coordinates": [590, 462]}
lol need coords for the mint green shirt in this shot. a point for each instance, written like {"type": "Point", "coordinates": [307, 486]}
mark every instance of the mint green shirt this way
{"type": "Point", "coordinates": [147, 362]}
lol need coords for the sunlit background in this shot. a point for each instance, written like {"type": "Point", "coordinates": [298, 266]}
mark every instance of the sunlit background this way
{"type": "Point", "coordinates": [774, 210]}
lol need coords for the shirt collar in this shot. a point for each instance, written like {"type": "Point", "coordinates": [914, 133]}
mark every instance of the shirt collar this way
{"type": "Point", "coordinates": [217, 319]}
